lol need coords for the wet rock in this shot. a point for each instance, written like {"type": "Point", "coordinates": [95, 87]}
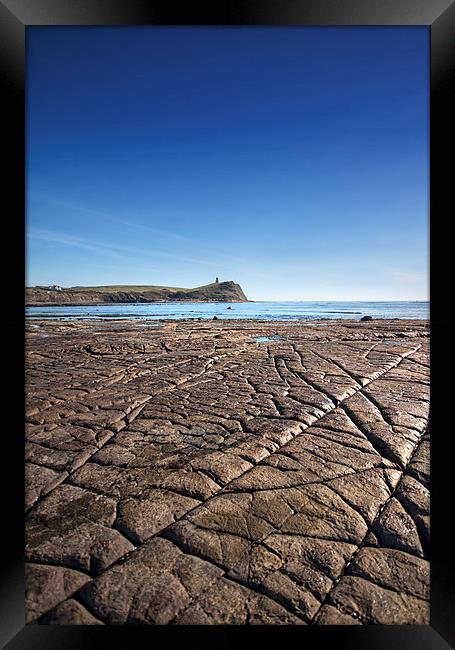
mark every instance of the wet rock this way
{"type": "Point", "coordinates": [72, 528]}
{"type": "Point", "coordinates": [154, 586]}
{"type": "Point", "coordinates": [371, 603]}
{"type": "Point", "coordinates": [139, 519]}
{"type": "Point", "coordinates": [228, 603]}
{"type": "Point", "coordinates": [46, 586]}
{"type": "Point", "coordinates": [70, 612]}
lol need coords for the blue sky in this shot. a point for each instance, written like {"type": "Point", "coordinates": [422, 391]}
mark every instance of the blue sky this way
{"type": "Point", "coordinates": [291, 160]}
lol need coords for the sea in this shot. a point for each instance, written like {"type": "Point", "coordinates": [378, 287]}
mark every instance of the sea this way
{"type": "Point", "coordinates": [261, 310]}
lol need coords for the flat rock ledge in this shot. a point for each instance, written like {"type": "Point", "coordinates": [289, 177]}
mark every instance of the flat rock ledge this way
{"type": "Point", "coordinates": [227, 472]}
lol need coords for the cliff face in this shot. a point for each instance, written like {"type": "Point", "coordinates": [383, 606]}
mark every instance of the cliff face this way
{"type": "Point", "coordinates": [216, 292]}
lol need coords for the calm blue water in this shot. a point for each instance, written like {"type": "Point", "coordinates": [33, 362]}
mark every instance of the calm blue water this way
{"type": "Point", "coordinates": [261, 310]}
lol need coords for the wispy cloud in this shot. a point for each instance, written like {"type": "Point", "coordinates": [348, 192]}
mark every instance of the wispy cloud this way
{"type": "Point", "coordinates": [68, 240]}
{"type": "Point", "coordinates": [126, 252]}
{"type": "Point", "coordinates": [407, 276]}
{"type": "Point", "coordinates": [112, 250]}
{"type": "Point", "coordinates": [216, 257]}
{"type": "Point", "coordinates": [154, 231]}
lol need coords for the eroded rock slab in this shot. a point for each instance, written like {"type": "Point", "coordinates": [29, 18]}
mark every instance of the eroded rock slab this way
{"type": "Point", "coordinates": [228, 473]}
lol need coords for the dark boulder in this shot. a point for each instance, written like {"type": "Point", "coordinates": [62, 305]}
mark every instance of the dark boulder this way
{"type": "Point", "coordinates": [366, 318]}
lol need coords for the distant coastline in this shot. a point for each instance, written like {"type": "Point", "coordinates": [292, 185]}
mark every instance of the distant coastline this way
{"type": "Point", "coordinates": [57, 296]}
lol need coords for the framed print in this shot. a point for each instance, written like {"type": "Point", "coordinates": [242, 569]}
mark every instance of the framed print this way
{"type": "Point", "coordinates": [222, 219]}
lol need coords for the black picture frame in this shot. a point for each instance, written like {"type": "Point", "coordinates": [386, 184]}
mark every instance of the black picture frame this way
{"type": "Point", "coordinates": [15, 17]}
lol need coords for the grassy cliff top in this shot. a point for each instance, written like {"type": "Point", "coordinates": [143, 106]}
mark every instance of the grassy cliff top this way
{"type": "Point", "coordinates": [215, 292]}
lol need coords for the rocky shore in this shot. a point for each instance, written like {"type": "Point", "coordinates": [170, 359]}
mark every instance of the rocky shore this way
{"type": "Point", "coordinates": [227, 472]}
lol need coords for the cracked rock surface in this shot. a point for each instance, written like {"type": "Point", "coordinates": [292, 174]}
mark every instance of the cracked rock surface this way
{"type": "Point", "coordinates": [240, 472]}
